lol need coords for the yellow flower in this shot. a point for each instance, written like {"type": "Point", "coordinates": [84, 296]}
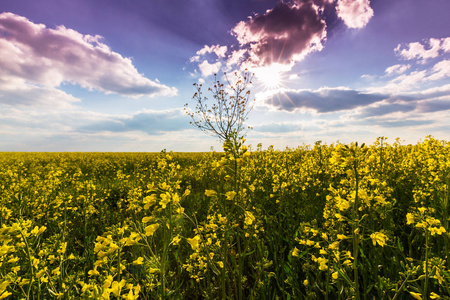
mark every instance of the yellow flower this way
{"type": "Point", "coordinates": [409, 218]}
{"type": "Point", "coordinates": [335, 275]}
{"type": "Point", "coordinates": [305, 282]}
{"type": "Point", "coordinates": [378, 237]}
{"type": "Point", "coordinates": [249, 218]}
{"type": "Point", "coordinates": [175, 199]}
{"type": "Point", "coordinates": [176, 240]}
{"type": "Point", "coordinates": [138, 261]}
{"type": "Point", "coordinates": [417, 296]}
{"type": "Point", "coordinates": [194, 242]}
{"type": "Point", "coordinates": [93, 272]}
{"type": "Point", "coordinates": [433, 295]}
{"type": "Point", "coordinates": [35, 230]}
{"type": "Point", "coordinates": [295, 252]}
{"type": "Point", "coordinates": [150, 229]}
{"type": "Point", "coordinates": [230, 195]}
{"type": "Point", "coordinates": [165, 199]}
{"type": "Point", "coordinates": [310, 243]}
{"type": "Point", "coordinates": [5, 294]}
{"type": "Point", "coordinates": [210, 193]}
{"type": "Point", "coordinates": [116, 287]}
{"type": "Point", "coordinates": [334, 245]}
{"type": "Point", "coordinates": [147, 219]}
{"type": "Point", "coordinates": [149, 201]}
{"type": "Point", "coordinates": [14, 260]}
{"type": "Point", "coordinates": [341, 237]}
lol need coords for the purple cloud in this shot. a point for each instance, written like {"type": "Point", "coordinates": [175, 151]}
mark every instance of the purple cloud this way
{"type": "Point", "coordinates": [323, 100]}
{"type": "Point", "coordinates": [34, 54]}
{"type": "Point", "coordinates": [284, 34]}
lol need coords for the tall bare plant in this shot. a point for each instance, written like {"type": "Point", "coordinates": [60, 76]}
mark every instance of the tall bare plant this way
{"type": "Point", "coordinates": [225, 114]}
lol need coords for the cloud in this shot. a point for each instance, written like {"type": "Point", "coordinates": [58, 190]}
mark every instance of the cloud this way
{"type": "Point", "coordinates": [440, 70]}
{"type": "Point", "coordinates": [43, 57]}
{"type": "Point", "coordinates": [354, 13]}
{"type": "Point", "coordinates": [414, 80]}
{"type": "Point", "coordinates": [395, 123]}
{"type": "Point", "coordinates": [433, 105]}
{"type": "Point", "coordinates": [208, 69]}
{"type": "Point", "coordinates": [419, 102]}
{"type": "Point", "coordinates": [387, 108]}
{"type": "Point", "coordinates": [148, 121]}
{"type": "Point", "coordinates": [397, 69]}
{"type": "Point", "coordinates": [323, 100]}
{"type": "Point", "coordinates": [284, 34]}
{"type": "Point", "coordinates": [216, 49]}
{"type": "Point", "coordinates": [430, 48]}
{"type": "Point", "coordinates": [278, 127]}
{"type": "Point", "coordinates": [81, 130]}
{"type": "Point", "coordinates": [19, 93]}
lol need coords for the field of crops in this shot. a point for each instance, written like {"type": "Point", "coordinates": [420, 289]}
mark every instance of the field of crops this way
{"type": "Point", "coordinates": [316, 222]}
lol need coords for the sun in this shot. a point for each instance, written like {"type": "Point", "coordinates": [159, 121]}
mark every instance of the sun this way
{"type": "Point", "coordinates": [271, 76]}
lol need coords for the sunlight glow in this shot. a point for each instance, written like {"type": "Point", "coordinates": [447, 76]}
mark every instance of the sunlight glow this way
{"type": "Point", "coordinates": [271, 77]}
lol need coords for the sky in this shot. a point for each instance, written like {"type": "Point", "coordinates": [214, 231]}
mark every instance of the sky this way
{"type": "Point", "coordinates": [114, 75]}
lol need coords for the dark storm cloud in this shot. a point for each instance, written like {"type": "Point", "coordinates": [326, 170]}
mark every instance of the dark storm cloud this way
{"type": "Point", "coordinates": [284, 34]}
{"type": "Point", "coordinates": [323, 100]}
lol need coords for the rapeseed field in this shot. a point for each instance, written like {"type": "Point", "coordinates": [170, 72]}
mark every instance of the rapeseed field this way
{"type": "Point", "coordinates": [315, 222]}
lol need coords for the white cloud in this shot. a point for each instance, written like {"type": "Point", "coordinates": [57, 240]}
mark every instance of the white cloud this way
{"type": "Point", "coordinates": [354, 13]}
{"type": "Point", "coordinates": [216, 49]}
{"type": "Point", "coordinates": [17, 92]}
{"type": "Point", "coordinates": [430, 48]}
{"type": "Point", "coordinates": [43, 57]}
{"type": "Point", "coordinates": [440, 70]}
{"type": "Point", "coordinates": [397, 69]}
{"type": "Point", "coordinates": [208, 69]}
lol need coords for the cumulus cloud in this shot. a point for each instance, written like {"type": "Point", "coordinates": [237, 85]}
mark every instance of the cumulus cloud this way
{"type": "Point", "coordinates": [33, 54]}
{"type": "Point", "coordinates": [216, 49]}
{"type": "Point", "coordinates": [284, 34]}
{"type": "Point", "coordinates": [323, 100]}
{"type": "Point", "coordinates": [208, 69]}
{"type": "Point", "coordinates": [354, 13]}
{"type": "Point", "coordinates": [429, 48]}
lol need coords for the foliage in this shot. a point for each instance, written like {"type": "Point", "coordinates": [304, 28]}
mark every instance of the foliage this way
{"type": "Point", "coordinates": [316, 222]}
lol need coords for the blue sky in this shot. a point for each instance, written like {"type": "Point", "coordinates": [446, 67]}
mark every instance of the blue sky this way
{"type": "Point", "coordinates": [113, 75]}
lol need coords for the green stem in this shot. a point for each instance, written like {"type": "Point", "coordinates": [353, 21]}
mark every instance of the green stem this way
{"type": "Point", "coordinates": [29, 262]}
{"type": "Point", "coordinates": [425, 287]}
{"type": "Point", "coordinates": [355, 235]}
